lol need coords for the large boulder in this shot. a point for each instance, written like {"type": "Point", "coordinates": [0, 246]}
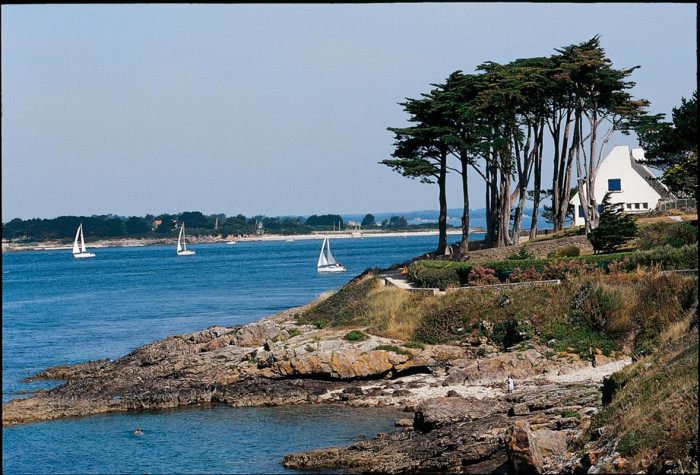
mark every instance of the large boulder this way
{"type": "Point", "coordinates": [438, 412]}
{"type": "Point", "coordinates": [524, 455]}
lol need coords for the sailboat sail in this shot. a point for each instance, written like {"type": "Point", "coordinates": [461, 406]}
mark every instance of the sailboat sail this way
{"type": "Point", "coordinates": [326, 261]}
{"type": "Point", "coordinates": [322, 260]}
{"type": "Point", "coordinates": [329, 256]}
{"type": "Point", "coordinates": [182, 243]}
{"type": "Point", "coordinates": [79, 250]}
{"type": "Point", "coordinates": [82, 239]}
{"type": "Point", "coordinates": [76, 249]}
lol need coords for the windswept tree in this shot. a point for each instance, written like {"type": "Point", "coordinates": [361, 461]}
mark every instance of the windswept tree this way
{"type": "Point", "coordinates": [672, 147]}
{"type": "Point", "coordinates": [464, 132]}
{"type": "Point", "coordinates": [599, 99]}
{"type": "Point", "coordinates": [420, 152]}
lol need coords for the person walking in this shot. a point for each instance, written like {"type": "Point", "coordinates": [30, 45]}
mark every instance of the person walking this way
{"type": "Point", "coordinates": [510, 384]}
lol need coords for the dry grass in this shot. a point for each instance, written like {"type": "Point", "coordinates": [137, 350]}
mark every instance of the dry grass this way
{"type": "Point", "coordinates": [393, 313]}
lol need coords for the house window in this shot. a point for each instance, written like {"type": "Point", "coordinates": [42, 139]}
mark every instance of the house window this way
{"type": "Point", "coordinates": [645, 205]}
{"type": "Point", "coordinates": [580, 211]}
{"type": "Point", "coordinates": [629, 205]}
{"type": "Point", "coordinates": [636, 206]}
{"type": "Point", "coordinates": [614, 184]}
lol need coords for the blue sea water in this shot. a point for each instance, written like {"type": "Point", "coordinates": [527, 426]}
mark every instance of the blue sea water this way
{"type": "Point", "coordinates": [58, 310]}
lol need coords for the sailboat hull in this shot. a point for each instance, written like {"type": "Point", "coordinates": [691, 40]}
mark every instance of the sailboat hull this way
{"type": "Point", "coordinates": [82, 255]}
{"type": "Point", "coordinates": [185, 253]}
{"type": "Point", "coordinates": [332, 268]}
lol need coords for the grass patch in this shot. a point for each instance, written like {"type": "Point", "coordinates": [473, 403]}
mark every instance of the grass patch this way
{"type": "Point", "coordinates": [347, 306]}
{"type": "Point", "coordinates": [395, 349]}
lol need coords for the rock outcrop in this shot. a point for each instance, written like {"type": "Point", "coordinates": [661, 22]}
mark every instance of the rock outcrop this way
{"type": "Point", "coordinates": [463, 418]}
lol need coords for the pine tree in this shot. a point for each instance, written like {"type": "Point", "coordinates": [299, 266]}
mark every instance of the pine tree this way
{"type": "Point", "coordinates": [614, 228]}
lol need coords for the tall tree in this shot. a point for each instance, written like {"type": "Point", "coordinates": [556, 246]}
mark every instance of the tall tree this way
{"type": "Point", "coordinates": [420, 152]}
{"type": "Point", "coordinates": [465, 131]}
{"type": "Point", "coordinates": [599, 96]}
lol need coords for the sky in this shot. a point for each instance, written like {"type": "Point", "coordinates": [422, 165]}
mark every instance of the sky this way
{"type": "Point", "coordinates": [273, 109]}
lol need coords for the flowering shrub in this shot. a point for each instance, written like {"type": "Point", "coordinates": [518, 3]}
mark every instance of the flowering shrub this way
{"type": "Point", "coordinates": [566, 269]}
{"type": "Point", "coordinates": [527, 275]}
{"type": "Point", "coordinates": [622, 265]}
{"type": "Point", "coordinates": [482, 276]}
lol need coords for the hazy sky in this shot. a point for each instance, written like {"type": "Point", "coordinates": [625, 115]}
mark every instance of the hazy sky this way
{"type": "Point", "coordinates": [272, 109]}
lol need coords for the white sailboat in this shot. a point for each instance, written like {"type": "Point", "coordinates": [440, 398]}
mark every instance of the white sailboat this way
{"type": "Point", "coordinates": [79, 251]}
{"type": "Point", "coordinates": [326, 262]}
{"type": "Point", "coordinates": [182, 244]}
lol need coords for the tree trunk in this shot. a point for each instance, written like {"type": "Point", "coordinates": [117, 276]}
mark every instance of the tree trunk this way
{"type": "Point", "coordinates": [442, 219]}
{"type": "Point", "coordinates": [537, 185]}
{"type": "Point", "coordinates": [491, 202]}
{"type": "Point", "coordinates": [464, 244]}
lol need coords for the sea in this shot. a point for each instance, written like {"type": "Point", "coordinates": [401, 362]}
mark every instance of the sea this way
{"type": "Point", "coordinates": [57, 310]}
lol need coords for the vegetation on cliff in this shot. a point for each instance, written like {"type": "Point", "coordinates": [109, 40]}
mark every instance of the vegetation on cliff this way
{"type": "Point", "coordinates": [652, 416]}
{"type": "Point", "coordinates": [612, 312]}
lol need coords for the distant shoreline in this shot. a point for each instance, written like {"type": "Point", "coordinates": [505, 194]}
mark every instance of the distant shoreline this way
{"type": "Point", "coordinates": [56, 246]}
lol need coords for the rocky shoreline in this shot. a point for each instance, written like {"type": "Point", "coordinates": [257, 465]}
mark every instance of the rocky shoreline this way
{"type": "Point", "coordinates": [462, 419]}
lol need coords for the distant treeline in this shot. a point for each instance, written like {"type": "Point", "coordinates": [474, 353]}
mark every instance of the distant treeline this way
{"type": "Point", "coordinates": [164, 225]}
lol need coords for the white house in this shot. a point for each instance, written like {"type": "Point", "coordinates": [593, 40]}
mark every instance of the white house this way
{"type": "Point", "coordinates": [631, 184]}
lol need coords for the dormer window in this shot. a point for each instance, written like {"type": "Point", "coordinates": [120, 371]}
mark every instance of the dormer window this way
{"type": "Point", "coordinates": [614, 184]}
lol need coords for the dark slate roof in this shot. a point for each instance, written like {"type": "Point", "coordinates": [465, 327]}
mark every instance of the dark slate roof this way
{"type": "Point", "coordinates": [654, 182]}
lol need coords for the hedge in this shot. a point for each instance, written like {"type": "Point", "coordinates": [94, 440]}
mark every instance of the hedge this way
{"type": "Point", "coordinates": [444, 274]}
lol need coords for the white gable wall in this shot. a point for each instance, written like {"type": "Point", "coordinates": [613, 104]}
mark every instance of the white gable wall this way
{"type": "Point", "coordinates": [635, 191]}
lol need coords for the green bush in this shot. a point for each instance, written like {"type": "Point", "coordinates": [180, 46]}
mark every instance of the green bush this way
{"type": "Point", "coordinates": [661, 234]}
{"type": "Point", "coordinates": [438, 274]}
{"type": "Point", "coordinates": [522, 254]}
{"type": "Point", "coordinates": [566, 251]}
{"type": "Point", "coordinates": [356, 335]}
{"type": "Point", "coordinates": [667, 257]}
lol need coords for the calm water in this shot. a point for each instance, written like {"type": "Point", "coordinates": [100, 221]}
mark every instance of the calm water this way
{"type": "Point", "coordinates": [58, 310]}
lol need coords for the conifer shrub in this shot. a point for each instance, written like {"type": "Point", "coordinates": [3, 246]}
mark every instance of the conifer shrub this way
{"type": "Point", "coordinates": [614, 228]}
